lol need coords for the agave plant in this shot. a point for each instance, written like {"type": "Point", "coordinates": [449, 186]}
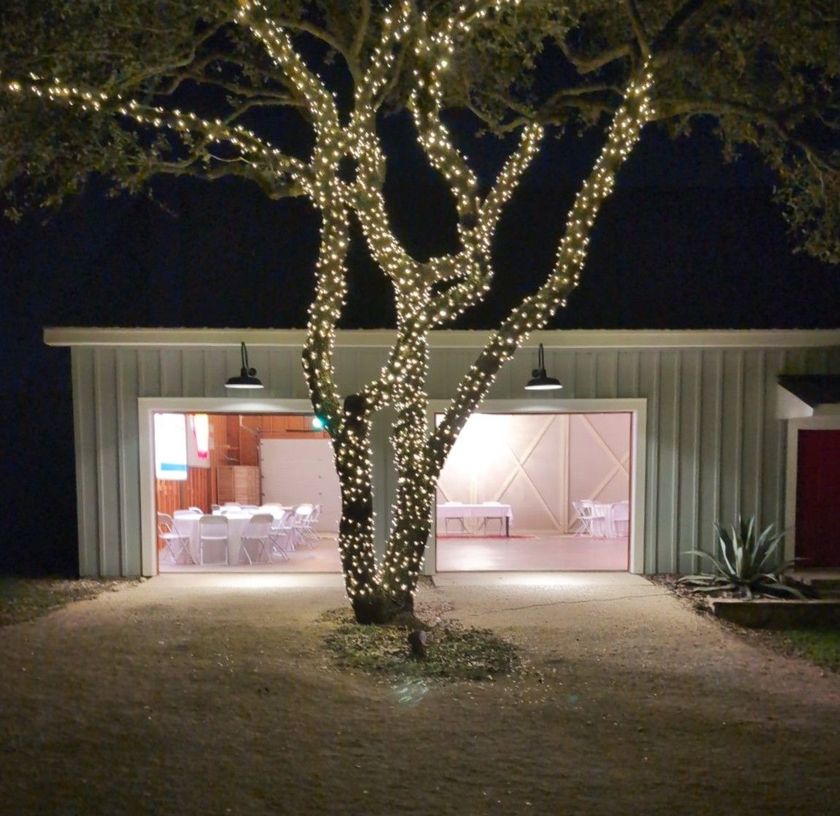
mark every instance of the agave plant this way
{"type": "Point", "coordinates": [745, 562]}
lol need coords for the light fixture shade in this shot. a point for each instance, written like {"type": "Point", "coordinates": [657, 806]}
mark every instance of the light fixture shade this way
{"type": "Point", "coordinates": [247, 376]}
{"type": "Point", "coordinates": [540, 381]}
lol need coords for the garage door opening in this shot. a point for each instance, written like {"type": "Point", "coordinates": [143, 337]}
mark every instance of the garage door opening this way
{"type": "Point", "coordinates": [537, 492]}
{"type": "Point", "coordinates": [244, 492]}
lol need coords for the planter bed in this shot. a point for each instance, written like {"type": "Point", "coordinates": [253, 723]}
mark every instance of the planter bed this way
{"type": "Point", "coordinates": [777, 614]}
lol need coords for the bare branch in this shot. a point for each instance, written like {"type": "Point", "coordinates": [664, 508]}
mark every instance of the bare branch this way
{"type": "Point", "coordinates": [588, 65]}
{"type": "Point", "coordinates": [361, 29]}
{"type": "Point", "coordinates": [691, 13]}
{"type": "Point", "coordinates": [271, 185]}
{"type": "Point", "coordinates": [638, 27]}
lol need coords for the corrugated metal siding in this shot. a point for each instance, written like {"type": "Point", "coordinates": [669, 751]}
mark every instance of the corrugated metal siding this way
{"type": "Point", "coordinates": [714, 446]}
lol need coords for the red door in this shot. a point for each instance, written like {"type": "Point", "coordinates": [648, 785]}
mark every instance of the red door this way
{"type": "Point", "coordinates": [818, 500]}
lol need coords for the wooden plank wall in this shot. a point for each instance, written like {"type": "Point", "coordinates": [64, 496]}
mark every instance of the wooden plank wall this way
{"type": "Point", "coordinates": [234, 440]}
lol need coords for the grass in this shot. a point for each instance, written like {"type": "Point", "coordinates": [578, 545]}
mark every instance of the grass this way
{"type": "Point", "coordinates": [820, 645]}
{"type": "Point", "coordinates": [23, 599]}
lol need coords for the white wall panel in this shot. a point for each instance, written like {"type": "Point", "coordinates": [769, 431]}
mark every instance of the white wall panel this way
{"type": "Point", "coordinates": [298, 471]}
{"type": "Point", "coordinates": [129, 464]}
{"type": "Point", "coordinates": [668, 455]}
{"type": "Point", "coordinates": [690, 410]}
{"type": "Point", "coordinates": [87, 494]}
{"type": "Point", "coordinates": [108, 443]}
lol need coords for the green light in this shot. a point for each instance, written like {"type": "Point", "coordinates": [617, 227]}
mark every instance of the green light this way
{"type": "Point", "coordinates": [318, 423]}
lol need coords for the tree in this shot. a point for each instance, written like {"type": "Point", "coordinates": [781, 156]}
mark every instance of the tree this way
{"type": "Point", "coordinates": [136, 89]}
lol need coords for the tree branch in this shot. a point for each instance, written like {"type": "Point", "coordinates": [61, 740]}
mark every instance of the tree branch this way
{"type": "Point", "coordinates": [185, 125]}
{"type": "Point", "coordinates": [638, 27]}
{"type": "Point", "coordinates": [690, 12]}
{"type": "Point", "coordinates": [325, 37]}
{"type": "Point", "coordinates": [588, 65]}
{"type": "Point", "coordinates": [535, 310]}
{"type": "Point", "coordinates": [279, 47]}
{"type": "Point", "coordinates": [776, 121]}
{"type": "Point", "coordinates": [361, 29]}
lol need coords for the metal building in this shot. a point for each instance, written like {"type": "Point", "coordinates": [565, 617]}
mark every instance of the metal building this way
{"type": "Point", "coordinates": [715, 431]}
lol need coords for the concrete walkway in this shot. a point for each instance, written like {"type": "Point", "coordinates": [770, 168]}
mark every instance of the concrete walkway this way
{"type": "Point", "coordinates": [211, 694]}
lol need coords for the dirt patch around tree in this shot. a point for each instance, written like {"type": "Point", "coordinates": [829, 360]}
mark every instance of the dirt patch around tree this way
{"type": "Point", "coordinates": [216, 694]}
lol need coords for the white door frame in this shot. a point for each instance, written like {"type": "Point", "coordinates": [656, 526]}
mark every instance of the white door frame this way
{"type": "Point", "coordinates": [828, 422]}
{"type": "Point", "coordinates": [637, 408]}
{"type": "Point", "coordinates": [147, 407]}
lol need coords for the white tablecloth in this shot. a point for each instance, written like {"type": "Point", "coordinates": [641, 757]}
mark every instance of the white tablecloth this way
{"type": "Point", "coordinates": [484, 510]}
{"type": "Point", "coordinates": [611, 520]}
{"type": "Point", "coordinates": [187, 523]}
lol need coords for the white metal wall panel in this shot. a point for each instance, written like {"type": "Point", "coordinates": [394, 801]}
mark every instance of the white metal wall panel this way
{"type": "Point", "coordinates": [87, 496]}
{"type": "Point", "coordinates": [687, 417]}
{"type": "Point", "coordinates": [107, 461]}
{"type": "Point", "coordinates": [773, 445]}
{"type": "Point", "coordinates": [129, 464]}
{"type": "Point", "coordinates": [714, 446]}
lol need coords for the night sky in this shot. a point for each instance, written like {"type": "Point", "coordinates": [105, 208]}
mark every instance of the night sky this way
{"type": "Point", "coordinates": [686, 242]}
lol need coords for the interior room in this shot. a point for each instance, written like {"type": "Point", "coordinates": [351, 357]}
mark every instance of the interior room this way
{"type": "Point", "coordinates": [244, 492]}
{"type": "Point", "coordinates": [536, 492]}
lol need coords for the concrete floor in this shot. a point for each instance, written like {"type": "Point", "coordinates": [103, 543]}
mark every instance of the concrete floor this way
{"type": "Point", "coordinates": [528, 551]}
{"type": "Point", "coordinates": [213, 694]}
{"type": "Point", "coordinates": [535, 552]}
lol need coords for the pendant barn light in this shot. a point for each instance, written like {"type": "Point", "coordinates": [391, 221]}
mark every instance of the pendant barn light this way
{"type": "Point", "coordinates": [540, 381]}
{"type": "Point", "coordinates": [247, 376]}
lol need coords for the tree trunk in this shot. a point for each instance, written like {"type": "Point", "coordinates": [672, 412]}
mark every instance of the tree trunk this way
{"type": "Point", "coordinates": [380, 607]}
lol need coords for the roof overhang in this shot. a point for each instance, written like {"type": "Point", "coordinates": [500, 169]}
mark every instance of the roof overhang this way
{"type": "Point", "coordinates": [383, 338]}
{"type": "Point", "coordinates": [804, 395]}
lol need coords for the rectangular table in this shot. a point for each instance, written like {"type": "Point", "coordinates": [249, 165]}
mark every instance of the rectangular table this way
{"type": "Point", "coordinates": [484, 510]}
{"type": "Point", "coordinates": [187, 523]}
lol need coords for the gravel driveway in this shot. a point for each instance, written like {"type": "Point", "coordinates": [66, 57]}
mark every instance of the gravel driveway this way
{"type": "Point", "coordinates": [212, 695]}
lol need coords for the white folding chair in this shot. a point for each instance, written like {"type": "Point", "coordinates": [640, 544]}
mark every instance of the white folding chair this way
{"type": "Point", "coordinates": [620, 519]}
{"type": "Point", "coordinates": [254, 544]}
{"type": "Point", "coordinates": [601, 520]}
{"type": "Point", "coordinates": [176, 543]}
{"type": "Point", "coordinates": [301, 524]}
{"type": "Point", "coordinates": [213, 532]}
{"type": "Point", "coordinates": [281, 540]}
{"type": "Point", "coordinates": [309, 528]}
{"type": "Point", "coordinates": [585, 513]}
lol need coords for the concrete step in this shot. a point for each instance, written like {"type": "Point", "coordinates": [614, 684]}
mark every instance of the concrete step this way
{"type": "Point", "coordinates": [826, 583]}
